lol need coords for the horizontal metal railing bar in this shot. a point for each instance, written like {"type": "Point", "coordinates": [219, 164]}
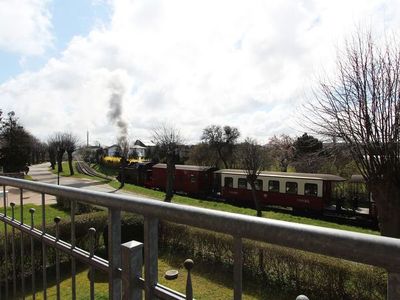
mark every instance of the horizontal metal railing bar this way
{"type": "Point", "coordinates": [165, 293]}
{"type": "Point", "coordinates": [357, 247]}
{"type": "Point", "coordinates": [82, 255]}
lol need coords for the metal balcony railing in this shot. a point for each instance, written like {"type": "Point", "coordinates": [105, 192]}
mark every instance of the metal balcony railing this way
{"type": "Point", "coordinates": [125, 264]}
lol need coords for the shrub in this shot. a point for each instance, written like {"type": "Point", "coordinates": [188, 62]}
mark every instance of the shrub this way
{"type": "Point", "coordinates": [317, 276]}
{"type": "Point", "coordinates": [97, 220]}
{"type": "Point", "coordinates": [111, 161]}
{"type": "Point", "coordinates": [131, 229]}
{"type": "Point", "coordinates": [64, 203]}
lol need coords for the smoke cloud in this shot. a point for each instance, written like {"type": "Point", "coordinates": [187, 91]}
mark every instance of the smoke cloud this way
{"type": "Point", "coordinates": [115, 111]}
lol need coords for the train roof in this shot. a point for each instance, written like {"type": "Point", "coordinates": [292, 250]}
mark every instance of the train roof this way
{"type": "Point", "coordinates": [185, 167]}
{"type": "Point", "coordinates": [325, 177]}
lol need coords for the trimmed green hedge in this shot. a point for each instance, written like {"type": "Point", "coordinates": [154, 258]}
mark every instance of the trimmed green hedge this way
{"type": "Point", "coordinates": [81, 208]}
{"type": "Point", "coordinates": [317, 276]}
{"type": "Point", "coordinates": [271, 266]}
{"type": "Point", "coordinates": [83, 222]}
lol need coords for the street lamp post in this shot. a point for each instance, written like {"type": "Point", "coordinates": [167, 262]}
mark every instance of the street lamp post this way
{"type": "Point", "coordinates": [58, 167]}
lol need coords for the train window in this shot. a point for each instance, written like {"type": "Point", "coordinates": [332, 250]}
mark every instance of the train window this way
{"type": "Point", "coordinates": [242, 183]}
{"type": "Point", "coordinates": [273, 186]}
{"type": "Point", "coordinates": [192, 178]}
{"type": "Point", "coordinates": [310, 189]}
{"type": "Point", "coordinates": [228, 182]}
{"type": "Point", "coordinates": [259, 185]}
{"type": "Point", "coordinates": [291, 187]}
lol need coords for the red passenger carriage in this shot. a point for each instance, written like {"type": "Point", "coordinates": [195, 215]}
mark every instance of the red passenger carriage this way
{"type": "Point", "coordinates": [296, 190]}
{"type": "Point", "coordinates": [194, 180]}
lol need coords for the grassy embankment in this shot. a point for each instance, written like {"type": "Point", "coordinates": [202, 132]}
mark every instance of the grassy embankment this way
{"type": "Point", "coordinates": [66, 172]}
{"type": "Point", "coordinates": [223, 206]}
{"type": "Point", "coordinates": [210, 283]}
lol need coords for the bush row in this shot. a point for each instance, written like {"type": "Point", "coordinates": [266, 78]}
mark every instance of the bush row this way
{"type": "Point", "coordinates": [81, 208]}
{"type": "Point", "coordinates": [317, 276]}
{"type": "Point", "coordinates": [273, 267]}
{"type": "Point", "coordinates": [83, 222]}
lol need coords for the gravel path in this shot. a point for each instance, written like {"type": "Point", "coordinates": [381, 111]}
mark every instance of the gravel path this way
{"type": "Point", "coordinates": [42, 173]}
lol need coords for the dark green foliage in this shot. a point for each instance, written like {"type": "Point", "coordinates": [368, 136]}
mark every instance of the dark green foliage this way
{"type": "Point", "coordinates": [81, 208]}
{"type": "Point", "coordinates": [307, 144]}
{"type": "Point", "coordinates": [317, 276]}
{"type": "Point", "coordinates": [15, 144]}
{"type": "Point", "coordinates": [131, 229]}
{"type": "Point", "coordinates": [309, 154]}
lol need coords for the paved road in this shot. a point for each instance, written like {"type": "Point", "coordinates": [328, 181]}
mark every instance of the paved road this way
{"type": "Point", "coordinates": [41, 173]}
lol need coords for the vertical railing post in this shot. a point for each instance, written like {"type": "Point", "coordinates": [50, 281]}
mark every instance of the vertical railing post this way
{"type": "Point", "coordinates": [33, 269]}
{"type": "Point", "coordinates": [114, 253]}
{"type": "Point", "coordinates": [393, 286]}
{"type": "Point", "coordinates": [5, 244]}
{"type": "Point", "coordinates": [21, 201]}
{"type": "Point", "coordinates": [13, 256]}
{"type": "Point", "coordinates": [92, 235]}
{"type": "Point", "coordinates": [132, 261]}
{"type": "Point", "coordinates": [237, 268]}
{"type": "Point", "coordinates": [150, 256]}
{"type": "Point", "coordinates": [73, 244]}
{"type": "Point", "coordinates": [44, 248]}
{"type": "Point", "coordinates": [58, 272]}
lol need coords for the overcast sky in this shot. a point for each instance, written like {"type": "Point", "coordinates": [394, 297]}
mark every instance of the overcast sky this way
{"type": "Point", "coordinates": [249, 64]}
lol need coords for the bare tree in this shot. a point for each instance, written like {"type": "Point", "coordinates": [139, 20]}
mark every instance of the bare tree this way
{"type": "Point", "coordinates": [168, 139]}
{"type": "Point", "coordinates": [58, 146]}
{"type": "Point", "coordinates": [70, 141]}
{"type": "Point", "coordinates": [253, 163]}
{"type": "Point", "coordinates": [124, 146]}
{"type": "Point", "coordinates": [52, 149]}
{"type": "Point", "coordinates": [361, 106]}
{"type": "Point", "coordinates": [283, 150]}
{"type": "Point", "coordinates": [221, 140]}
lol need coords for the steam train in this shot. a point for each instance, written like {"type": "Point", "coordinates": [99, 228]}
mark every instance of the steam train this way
{"type": "Point", "coordinates": [299, 191]}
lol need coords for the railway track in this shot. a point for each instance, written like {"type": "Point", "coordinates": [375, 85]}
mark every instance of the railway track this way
{"type": "Point", "coordinates": [83, 168]}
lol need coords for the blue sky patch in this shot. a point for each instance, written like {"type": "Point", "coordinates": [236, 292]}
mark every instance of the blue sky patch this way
{"type": "Point", "coordinates": [69, 18]}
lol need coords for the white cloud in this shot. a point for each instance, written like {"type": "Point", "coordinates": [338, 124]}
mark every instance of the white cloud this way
{"type": "Point", "coordinates": [192, 63]}
{"type": "Point", "coordinates": [25, 26]}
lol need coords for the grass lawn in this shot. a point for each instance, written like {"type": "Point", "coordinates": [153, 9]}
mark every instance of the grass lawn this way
{"type": "Point", "coordinates": [66, 172]}
{"type": "Point", "coordinates": [51, 212]}
{"type": "Point", "coordinates": [208, 283]}
{"type": "Point", "coordinates": [105, 170]}
{"type": "Point", "coordinates": [222, 206]}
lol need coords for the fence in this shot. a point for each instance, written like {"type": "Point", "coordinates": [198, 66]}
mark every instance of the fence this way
{"type": "Point", "coordinates": [124, 266]}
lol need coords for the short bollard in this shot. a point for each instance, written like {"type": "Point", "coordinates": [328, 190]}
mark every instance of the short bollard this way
{"type": "Point", "coordinates": [302, 297]}
{"type": "Point", "coordinates": [189, 289]}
